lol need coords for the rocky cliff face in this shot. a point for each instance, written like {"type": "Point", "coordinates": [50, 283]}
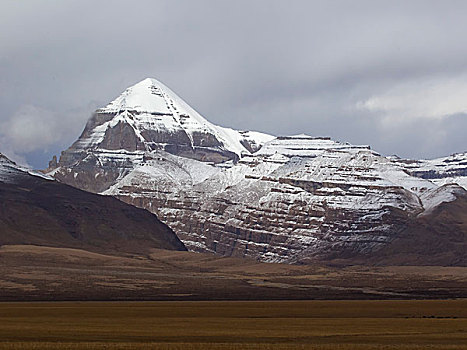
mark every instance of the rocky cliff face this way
{"type": "Point", "coordinates": [285, 199]}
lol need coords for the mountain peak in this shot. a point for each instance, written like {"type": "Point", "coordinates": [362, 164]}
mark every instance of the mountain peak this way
{"type": "Point", "coordinates": [149, 95]}
{"type": "Point", "coordinates": [151, 106]}
{"type": "Point", "coordinates": [148, 116]}
{"type": "Point", "coordinates": [147, 84]}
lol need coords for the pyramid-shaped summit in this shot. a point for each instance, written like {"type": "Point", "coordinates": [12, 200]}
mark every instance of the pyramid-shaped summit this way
{"type": "Point", "coordinates": [148, 116]}
{"type": "Point", "coordinates": [151, 96]}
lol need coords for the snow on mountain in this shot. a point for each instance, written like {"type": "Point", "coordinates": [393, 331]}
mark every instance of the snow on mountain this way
{"type": "Point", "coordinates": [243, 193]}
{"type": "Point", "coordinates": [4, 160]}
{"type": "Point", "coordinates": [304, 146]}
{"type": "Point", "coordinates": [441, 171]}
{"type": "Point", "coordinates": [160, 119]}
{"type": "Point", "coordinates": [9, 170]}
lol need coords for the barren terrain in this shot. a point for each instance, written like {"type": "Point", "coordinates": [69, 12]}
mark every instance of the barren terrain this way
{"type": "Point", "coordinates": [43, 273]}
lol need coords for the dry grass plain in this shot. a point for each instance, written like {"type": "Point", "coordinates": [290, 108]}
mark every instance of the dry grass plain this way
{"type": "Point", "coordinates": [182, 320]}
{"type": "Point", "coordinates": [370, 324]}
{"type": "Point", "coordinates": [33, 273]}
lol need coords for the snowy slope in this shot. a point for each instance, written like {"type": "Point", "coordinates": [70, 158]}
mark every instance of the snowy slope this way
{"type": "Point", "coordinates": [287, 194]}
{"type": "Point", "coordinates": [289, 202]}
{"type": "Point", "coordinates": [9, 170]}
{"type": "Point", "coordinates": [443, 171]}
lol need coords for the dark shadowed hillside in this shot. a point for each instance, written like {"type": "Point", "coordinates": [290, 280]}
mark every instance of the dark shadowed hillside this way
{"type": "Point", "coordinates": [438, 238]}
{"type": "Point", "coordinates": [37, 211]}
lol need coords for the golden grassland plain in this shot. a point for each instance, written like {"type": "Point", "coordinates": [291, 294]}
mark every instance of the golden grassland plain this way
{"type": "Point", "coordinates": [358, 324]}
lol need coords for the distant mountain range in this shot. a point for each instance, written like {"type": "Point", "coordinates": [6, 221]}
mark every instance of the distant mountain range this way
{"type": "Point", "coordinates": [61, 243]}
{"type": "Point", "coordinates": [292, 199]}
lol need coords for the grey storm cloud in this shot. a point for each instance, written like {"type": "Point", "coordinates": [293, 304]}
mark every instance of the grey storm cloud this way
{"type": "Point", "coordinates": [391, 74]}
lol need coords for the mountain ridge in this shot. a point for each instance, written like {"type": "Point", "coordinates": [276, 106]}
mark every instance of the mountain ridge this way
{"type": "Point", "coordinates": [36, 210]}
{"type": "Point", "coordinates": [292, 195]}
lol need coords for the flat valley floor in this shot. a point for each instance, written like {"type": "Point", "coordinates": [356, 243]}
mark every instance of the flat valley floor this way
{"type": "Point", "coordinates": [35, 273]}
{"type": "Point", "coordinates": [358, 324]}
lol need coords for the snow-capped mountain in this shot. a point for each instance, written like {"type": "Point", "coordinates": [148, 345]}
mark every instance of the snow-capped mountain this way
{"type": "Point", "coordinates": [285, 199]}
{"type": "Point", "coordinates": [149, 116]}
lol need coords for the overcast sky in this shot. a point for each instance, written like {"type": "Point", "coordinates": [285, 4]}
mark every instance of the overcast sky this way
{"type": "Point", "coordinates": [391, 74]}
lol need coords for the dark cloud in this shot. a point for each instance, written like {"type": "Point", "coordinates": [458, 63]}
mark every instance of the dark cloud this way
{"type": "Point", "coordinates": [313, 67]}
